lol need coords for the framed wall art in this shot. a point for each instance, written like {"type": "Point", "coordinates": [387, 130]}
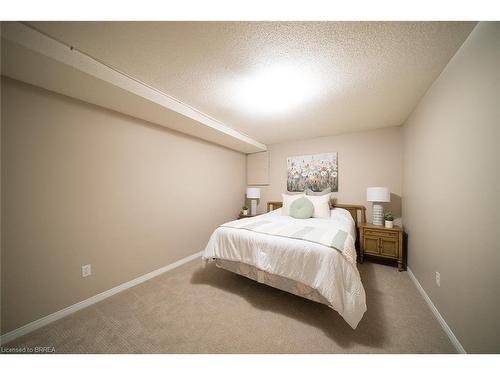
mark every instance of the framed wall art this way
{"type": "Point", "coordinates": [316, 172]}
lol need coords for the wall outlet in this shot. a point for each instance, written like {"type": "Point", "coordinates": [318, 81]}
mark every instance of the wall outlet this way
{"type": "Point", "coordinates": [438, 279]}
{"type": "Point", "coordinates": [86, 270]}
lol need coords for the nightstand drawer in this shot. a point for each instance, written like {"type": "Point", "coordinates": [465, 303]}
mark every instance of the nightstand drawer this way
{"type": "Point", "coordinates": [380, 233]}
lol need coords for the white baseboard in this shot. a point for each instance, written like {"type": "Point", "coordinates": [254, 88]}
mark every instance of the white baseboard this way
{"type": "Point", "coordinates": [18, 332]}
{"type": "Point", "coordinates": [446, 328]}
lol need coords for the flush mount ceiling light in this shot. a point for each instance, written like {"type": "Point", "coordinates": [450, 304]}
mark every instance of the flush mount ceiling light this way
{"type": "Point", "coordinates": [275, 89]}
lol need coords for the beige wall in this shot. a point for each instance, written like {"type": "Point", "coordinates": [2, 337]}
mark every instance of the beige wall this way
{"type": "Point", "coordinates": [451, 191]}
{"type": "Point", "coordinates": [86, 185]}
{"type": "Point", "coordinates": [371, 158]}
{"type": "Point", "coordinates": [0, 183]}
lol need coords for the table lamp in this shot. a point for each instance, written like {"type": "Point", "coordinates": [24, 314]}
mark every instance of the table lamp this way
{"type": "Point", "coordinates": [377, 195]}
{"type": "Point", "coordinates": [253, 194]}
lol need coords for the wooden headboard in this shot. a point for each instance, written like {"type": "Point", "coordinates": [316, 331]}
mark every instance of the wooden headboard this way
{"type": "Point", "coordinates": [271, 206]}
{"type": "Point", "coordinates": [357, 211]}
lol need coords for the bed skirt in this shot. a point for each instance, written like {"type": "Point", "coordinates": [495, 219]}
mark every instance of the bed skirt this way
{"type": "Point", "coordinates": [278, 282]}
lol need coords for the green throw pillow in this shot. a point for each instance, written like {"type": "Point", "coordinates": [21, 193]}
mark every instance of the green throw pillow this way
{"type": "Point", "coordinates": [302, 208]}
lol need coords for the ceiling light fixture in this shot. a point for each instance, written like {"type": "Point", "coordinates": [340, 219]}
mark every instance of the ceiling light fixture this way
{"type": "Point", "coordinates": [275, 89]}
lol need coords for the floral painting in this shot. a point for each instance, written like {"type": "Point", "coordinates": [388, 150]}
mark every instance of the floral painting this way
{"type": "Point", "coordinates": [315, 172]}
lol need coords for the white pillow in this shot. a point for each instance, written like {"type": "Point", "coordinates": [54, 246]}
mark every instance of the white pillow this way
{"type": "Point", "coordinates": [287, 202]}
{"type": "Point", "coordinates": [321, 205]}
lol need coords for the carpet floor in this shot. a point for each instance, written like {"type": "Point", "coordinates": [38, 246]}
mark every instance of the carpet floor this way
{"type": "Point", "coordinates": [192, 309]}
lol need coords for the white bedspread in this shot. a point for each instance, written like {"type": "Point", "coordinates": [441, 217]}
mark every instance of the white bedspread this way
{"type": "Point", "coordinates": [320, 267]}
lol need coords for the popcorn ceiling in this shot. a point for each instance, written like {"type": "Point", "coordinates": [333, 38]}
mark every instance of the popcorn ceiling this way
{"type": "Point", "coordinates": [367, 74]}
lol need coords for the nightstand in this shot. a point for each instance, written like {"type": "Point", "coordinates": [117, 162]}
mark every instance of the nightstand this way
{"type": "Point", "coordinates": [379, 241]}
{"type": "Point", "coordinates": [241, 216]}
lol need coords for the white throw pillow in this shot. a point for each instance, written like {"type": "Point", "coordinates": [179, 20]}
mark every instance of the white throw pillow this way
{"type": "Point", "coordinates": [287, 202]}
{"type": "Point", "coordinates": [321, 205]}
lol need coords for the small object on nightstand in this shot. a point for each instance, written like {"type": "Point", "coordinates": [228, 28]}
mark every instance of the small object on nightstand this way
{"type": "Point", "coordinates": [389, 219]}
{"type": "Point", "coordinates": [381, 242]}
{"type": "Point", "coordinates": [245, 213]}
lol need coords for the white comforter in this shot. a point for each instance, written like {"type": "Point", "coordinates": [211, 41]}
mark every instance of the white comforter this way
{"type": "Point", "coordinates": [320, 267]}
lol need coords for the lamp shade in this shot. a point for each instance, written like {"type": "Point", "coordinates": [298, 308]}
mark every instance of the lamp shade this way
{"type": "Point", "coordinates": [253, 193]}
{"type": "Point", "coordinates": [378, 194]}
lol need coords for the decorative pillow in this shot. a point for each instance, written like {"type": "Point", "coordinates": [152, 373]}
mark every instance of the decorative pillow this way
{"type": "Point", "coordinates": [287, 202]}
{"type": "Point", "coordinates": [321, 205]}
{"type": "Point", "coordinates": [302, 208]}
{"type": "Point", "coordinates": [326, 191]}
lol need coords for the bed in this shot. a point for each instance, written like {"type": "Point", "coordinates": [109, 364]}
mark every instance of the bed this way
{"type": "Point", "coordinates": [304, 257]}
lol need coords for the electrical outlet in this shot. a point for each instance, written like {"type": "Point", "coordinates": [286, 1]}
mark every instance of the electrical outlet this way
{"type": "Point", "coordinates": [86, 270]}
{"type": "Point", "coordinates": [438, 279]}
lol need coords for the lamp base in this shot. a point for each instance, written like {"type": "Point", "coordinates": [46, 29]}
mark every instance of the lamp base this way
{"type": "Point", "coordinates": [253, 207]}
{"type": "Point", "coordinates": [378, 214]}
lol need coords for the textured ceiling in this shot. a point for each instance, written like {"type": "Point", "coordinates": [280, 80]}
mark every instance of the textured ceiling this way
{"type": "Point", "coordinates": [278, 81]}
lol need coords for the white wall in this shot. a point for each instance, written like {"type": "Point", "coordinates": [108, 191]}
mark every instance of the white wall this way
{"type": "Point", "coordinates": [451, 191]}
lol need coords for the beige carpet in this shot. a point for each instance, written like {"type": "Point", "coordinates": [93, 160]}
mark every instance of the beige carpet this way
{"type": "Point", "coordinates": [209, 310]}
